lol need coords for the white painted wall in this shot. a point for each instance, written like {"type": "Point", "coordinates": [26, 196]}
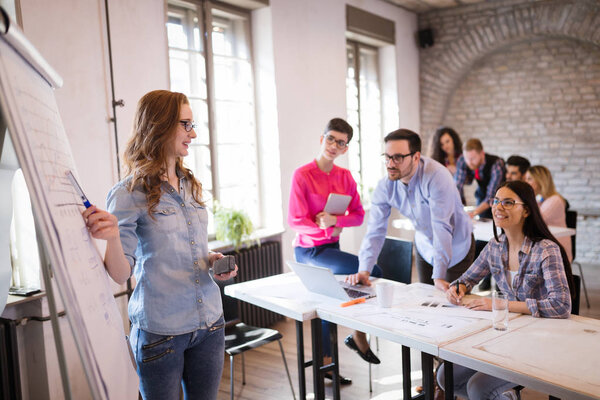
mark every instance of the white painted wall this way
{"type": "Point", "coordinates": [309, 47]}
{"type": "Point", "coordinates": [300, 75]}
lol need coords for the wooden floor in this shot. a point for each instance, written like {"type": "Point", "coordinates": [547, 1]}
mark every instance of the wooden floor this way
{"type": "Point", "coordinates": [266, 379]}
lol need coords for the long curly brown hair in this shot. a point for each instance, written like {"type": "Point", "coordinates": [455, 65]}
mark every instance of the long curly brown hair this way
{"type": "Point", "coordinates": [154, 126]}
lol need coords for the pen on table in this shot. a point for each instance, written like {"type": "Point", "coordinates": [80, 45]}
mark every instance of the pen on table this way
{"type": "Point", "coordinates": [352, 302]}
{"type": "Point", "coordinates": [80, 193]}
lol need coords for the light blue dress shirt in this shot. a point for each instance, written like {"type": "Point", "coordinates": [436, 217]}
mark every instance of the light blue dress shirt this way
{"type": "Point", "coordinates": [432, 203]}
{"type": "Point", "coordinates": [174, 293]}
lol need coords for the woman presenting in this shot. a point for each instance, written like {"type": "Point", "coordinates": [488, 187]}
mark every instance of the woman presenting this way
{"type": "Point", "coordinates": [158, 232]}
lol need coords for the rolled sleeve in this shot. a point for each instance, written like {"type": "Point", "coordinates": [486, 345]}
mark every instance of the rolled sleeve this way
{"type": "Point", "coordinates": [376, 228]}
{"type": "Point", "coordinates": [477, 271]}
{"type": "Point", "coordinates": [557, 302]}
{"type": "Point", "coordinates": [442, 210]}
{"type": "Point", "coordinates": [121, 203]}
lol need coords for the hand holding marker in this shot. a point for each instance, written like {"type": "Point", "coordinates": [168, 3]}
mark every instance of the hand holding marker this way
{"type": "Point", "coordinates": [80, 193]}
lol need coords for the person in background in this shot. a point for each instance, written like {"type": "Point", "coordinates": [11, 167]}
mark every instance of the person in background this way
{"type": "Point", "coordinates": [529, 265]}
{"type": "Point", "coordinates": [446, 147]}
{"type": "Point", "coordinates": [552, 205]}
{"type": "Point", "coordinates": [157, 230]}
{"type": "Point", "coordinates": [516, 166]}
{"type": "Point", "coordinates": [318, 232]}
{"type": "Point", "coordinates": [423, 191]}
{"type": "Point", "coordinates": [487, 169]}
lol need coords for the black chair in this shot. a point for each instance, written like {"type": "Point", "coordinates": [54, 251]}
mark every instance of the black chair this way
{"type": "Point", "coordinates": [571, 221]}
{"type": "Point", "coordinates": [240, 337]}
{"type": "Point", "coordinates": [395, 261]}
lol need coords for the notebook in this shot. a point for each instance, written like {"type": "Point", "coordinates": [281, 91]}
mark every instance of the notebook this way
{"type": "Point", "coordinates": [322, 281]}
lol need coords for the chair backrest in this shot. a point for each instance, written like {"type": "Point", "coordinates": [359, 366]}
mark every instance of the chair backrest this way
{"type": "Point", "coordinates": [231, 305]}
{"type": "Point", "coordinates": [571, 220]}
{"type": "Point", "coordinates": [395, 260]}
{"type": "Point", "coordinates": [575, 299]}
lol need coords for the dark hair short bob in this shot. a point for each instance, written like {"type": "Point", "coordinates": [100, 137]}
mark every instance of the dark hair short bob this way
{"type": "Point", "coordinates": [414, 141]}
{"type": "Point", "coordinates": [339, 125]}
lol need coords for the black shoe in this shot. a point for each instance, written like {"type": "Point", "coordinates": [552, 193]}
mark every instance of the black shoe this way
{"type": "Point", "coordinates": [343, 379]}
{"type": "Point", "coordinates": [368, 356]}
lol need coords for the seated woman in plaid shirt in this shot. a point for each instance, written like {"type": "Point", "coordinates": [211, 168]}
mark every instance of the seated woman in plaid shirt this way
{"type": "Point", "coordinates": [528, 264]}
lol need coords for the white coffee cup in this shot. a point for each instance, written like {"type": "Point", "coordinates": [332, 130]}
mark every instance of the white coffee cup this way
{"type": "Point", "coordinates": [385, 294]}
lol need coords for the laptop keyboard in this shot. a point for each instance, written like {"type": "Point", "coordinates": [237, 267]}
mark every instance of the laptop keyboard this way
{"type": "Point", "coordinates": [354, 294]}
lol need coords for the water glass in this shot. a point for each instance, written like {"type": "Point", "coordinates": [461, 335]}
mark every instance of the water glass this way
{"type": "Point", "coordinates": [385, 294]}
{"type": "Point", "coordinates": [500, 311]}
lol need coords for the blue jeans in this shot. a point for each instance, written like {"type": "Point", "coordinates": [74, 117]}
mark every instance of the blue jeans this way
{"type": "Point", "coordinates": [339, 262]}
{"type": "Point", "coordinates": [165, 362]}
{"type": "Point", "coordinates": [471, 384]}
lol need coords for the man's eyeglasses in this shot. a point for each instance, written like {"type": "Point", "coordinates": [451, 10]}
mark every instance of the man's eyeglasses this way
{"type": "Point", "coordinates": [507, 204]}
{"type": "Point", "coordinates": [396, 158]}
{"type": "Point", "coordinates": [188, 125]}
{"type": "Point", "coordinates": [339, 143]}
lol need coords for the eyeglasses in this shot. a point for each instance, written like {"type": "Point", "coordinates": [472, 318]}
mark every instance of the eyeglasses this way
{"type": "Point", "coordinates": [340, 144]}
{"type": "Point", "coordinates": [188, 125]}
{"type": "Point", "coordinates": [507, 204]}
{"type": "Point", "coordinates": [396, 158]}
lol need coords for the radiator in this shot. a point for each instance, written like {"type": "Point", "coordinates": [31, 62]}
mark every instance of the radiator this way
{"type": "Point", "coordinates": [258, 262]}
{"type": "Point", "coordinates": [10, 381]}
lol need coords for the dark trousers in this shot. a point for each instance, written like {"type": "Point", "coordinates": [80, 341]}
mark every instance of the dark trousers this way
{"type": "Point", "coordinates": [425, 270]}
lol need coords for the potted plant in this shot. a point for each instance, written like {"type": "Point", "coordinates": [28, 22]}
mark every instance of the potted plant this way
{"type": "Point", "coordinates": [233, 226]}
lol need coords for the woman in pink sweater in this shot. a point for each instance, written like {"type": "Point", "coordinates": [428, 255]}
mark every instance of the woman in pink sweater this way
{"type": "Point", "coordinates": [318, 232]}
{"type": "Point", "coordinates": [552, 205]}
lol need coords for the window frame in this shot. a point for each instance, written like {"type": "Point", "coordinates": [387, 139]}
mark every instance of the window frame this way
{"type": "Point", "coordinates": [356, 46]}
{"type": "Point", "coordinates": [204, 12]}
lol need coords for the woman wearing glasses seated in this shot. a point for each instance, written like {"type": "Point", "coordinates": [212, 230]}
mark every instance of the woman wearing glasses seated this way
{"type": "Point", "coordinates": [157, 231]}
{"type": "Point", "coordinates": [318, 232]}
{"type": "Point", "coordinates": [528, 264]}
{"type": "Point", "coordinates": [552, 205]}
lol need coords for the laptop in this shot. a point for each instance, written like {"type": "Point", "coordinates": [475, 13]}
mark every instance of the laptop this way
{"type": "Point", "coordinates": [322, 281]}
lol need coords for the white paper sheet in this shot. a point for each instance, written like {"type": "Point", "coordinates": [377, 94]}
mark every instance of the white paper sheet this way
{"type": "Point", "coordinates": [44, 154]}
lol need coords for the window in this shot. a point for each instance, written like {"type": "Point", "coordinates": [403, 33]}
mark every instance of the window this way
{"type": "Point", "coordinates": [213, 67]}
{"type": "Point", "coordinates": [363, 103]}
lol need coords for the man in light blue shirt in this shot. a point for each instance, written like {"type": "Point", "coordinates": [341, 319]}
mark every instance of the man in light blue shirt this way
{"type": "Point", "coordinates": [422, 190]}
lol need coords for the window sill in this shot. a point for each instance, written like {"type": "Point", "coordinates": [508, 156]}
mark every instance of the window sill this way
{"type": "Point", "coordinates": [261, 235]}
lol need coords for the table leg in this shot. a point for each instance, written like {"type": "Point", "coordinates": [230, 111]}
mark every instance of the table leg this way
{"type": "Point", "coordinates": [317, 359]}
{"type": "Point", "coordinates": [335, 361]}
{"type": "Point", "coordinates": [427, 369]}
{"type": "Point", "coordinates": [301, 366]}
{"type": "Point", "coordinates": [406, 380]}
{"type": "Point", "coordinates": [449, 380]}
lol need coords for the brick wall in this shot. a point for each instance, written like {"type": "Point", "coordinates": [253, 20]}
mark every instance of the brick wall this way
{"type": "Point", "coordinates": [524, 77]}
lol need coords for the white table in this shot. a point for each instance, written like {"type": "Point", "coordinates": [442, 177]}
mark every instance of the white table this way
{"type": "Point", "coordinates": [555, 356]}
{"type": "Point", "coordinates": [408, 322]}
{"type": "Point", "coordinates": [484, 231]}
{"type": "Point", "coordinates": [285, 295]}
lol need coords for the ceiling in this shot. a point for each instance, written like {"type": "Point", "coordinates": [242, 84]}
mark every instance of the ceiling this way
{"type": "Point", "coordinates": [420, 6]}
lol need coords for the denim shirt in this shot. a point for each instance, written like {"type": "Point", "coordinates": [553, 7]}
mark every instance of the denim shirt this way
{"type": "Point", "coordinates": [174, 293]}
{"type": "Point", "coordinates": [432, 203]}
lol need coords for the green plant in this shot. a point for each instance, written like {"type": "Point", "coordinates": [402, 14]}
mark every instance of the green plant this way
{"type": "Point", "coordinates": [233, 226]}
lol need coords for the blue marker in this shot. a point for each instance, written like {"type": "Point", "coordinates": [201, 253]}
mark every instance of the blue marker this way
{"type": "Point", "coordinates": [80, 193]}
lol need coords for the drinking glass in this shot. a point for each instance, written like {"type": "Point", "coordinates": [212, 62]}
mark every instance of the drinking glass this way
{"type": "Point", "coordinates": [500, 311]}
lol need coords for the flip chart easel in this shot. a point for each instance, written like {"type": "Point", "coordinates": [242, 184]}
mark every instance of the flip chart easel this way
{"type": "Point", "coordinates": [28, 106]}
